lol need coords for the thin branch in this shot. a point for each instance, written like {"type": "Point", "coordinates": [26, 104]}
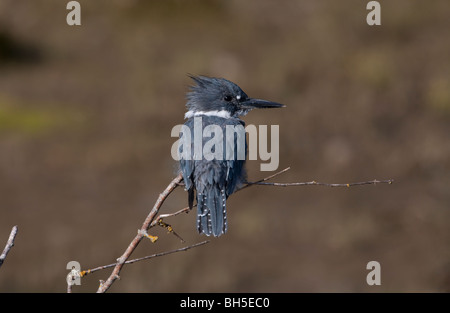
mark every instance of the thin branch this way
{"type": "Point", "coordinates": [9, 244]}
{"type": "Point", "coordinates": [314, 183]}
{"type": "Point", "coordinates": [84, 273]}
{"type": "Point", "coordinates": [249, 184]}
{"type": "Point", "coordinates": [141, 234]}
{"type": "Point", "coordinates": [161, 216]}
{"type": "Point", "coordinates": [311, 183]}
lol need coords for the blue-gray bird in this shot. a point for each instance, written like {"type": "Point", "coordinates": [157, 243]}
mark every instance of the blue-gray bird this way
{"type": "Point", "coordinates": [218, 102]}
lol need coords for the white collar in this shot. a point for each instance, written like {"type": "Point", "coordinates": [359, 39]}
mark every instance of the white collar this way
{"type": "Point", "coordinates": [222, 113]}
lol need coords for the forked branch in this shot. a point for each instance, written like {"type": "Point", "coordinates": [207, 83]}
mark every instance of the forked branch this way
{"type": "Point", "coordinates": [153, 219]}
{"type": "Point", "coordinates": [141, 234]}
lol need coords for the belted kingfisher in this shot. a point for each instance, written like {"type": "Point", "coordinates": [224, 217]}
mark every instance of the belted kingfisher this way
{"type": "Point", "coordinates": [218, 102]}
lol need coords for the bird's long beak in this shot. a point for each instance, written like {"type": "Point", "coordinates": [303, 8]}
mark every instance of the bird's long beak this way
{"type": "Point", "coordinates": [260, 104]}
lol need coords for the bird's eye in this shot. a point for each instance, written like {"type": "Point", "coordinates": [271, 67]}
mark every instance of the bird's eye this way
{"type": "Point", "coordinates": [228, 98]}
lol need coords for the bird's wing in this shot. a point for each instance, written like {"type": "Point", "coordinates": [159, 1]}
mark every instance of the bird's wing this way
{"type": "Point", "coordinates": [187, 164]}
{"type": "Point", "coordinates": [235, 163]}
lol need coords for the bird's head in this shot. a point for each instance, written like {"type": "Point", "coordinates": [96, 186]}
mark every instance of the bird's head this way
{"type": "Point", "coordinates": [221, 97]}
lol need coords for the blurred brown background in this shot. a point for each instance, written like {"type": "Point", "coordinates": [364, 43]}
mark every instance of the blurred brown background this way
{"type": "Point", "coordinates": [85, 120]}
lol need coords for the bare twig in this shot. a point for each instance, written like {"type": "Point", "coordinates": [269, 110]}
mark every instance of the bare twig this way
{"type": "Point", "coordinates": [161, 216]}
{"type": "Point", "coordinates": [311, 183]}
{"type": "Point", "coordinates": [314, 183]}
{"type": "Point", "coordinates": [84, 273]}
{"type": "Point", "coordinates": [249, 184]}
{"type": "Point", "coordinates": [9, 244]}
{"type": "Point", "coordinates": [141, 234]}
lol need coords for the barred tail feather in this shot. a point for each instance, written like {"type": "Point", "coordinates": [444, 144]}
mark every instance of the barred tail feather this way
{"type": "Point", "coordinates": [211, 212]}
